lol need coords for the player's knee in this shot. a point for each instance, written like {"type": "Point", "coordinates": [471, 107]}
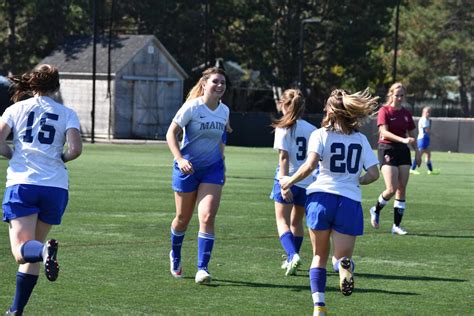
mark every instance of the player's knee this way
{"type": "Point", "coordinates": [18, 257]}
{"type": "Point", "coordinates": [206, 218]}
{"type": "Point", "coordinates": [401, 190]}
{"type": "Point", "coordinates": [319, 261]}
{"type": "Point", "coordinates": [181, 222]}
{"type": "Point", "coordinates": [296, 224]}
{"type": "Point", "coordinates": [389, 193]}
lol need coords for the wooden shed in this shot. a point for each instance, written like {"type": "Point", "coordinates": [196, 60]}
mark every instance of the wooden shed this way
{"type": "Point", "coordinates": [138, 99]}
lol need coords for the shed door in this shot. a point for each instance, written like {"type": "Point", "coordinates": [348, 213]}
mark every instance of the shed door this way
{"type": "Point", "coordinates": [146, 110]}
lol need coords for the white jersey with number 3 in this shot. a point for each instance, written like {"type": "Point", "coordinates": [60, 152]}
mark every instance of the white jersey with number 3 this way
{"type": "Point", "coordinates": [295, 142]}
{"type": "Point", "coordinates": [343, 157]}
{"type": "Point", "coordinates": [39, 126]}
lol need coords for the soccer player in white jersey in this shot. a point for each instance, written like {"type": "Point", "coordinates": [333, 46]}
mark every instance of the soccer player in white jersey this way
{"type": "Point", "coordinates": [36, 191]}
{"type": "Point", "coordinates": [423, 142]}
{"type": "Point", "coordinates": [333, 208]}
{"type": "Point", "coordinates": [291, 140]}
{"type": "Point", "coordinates": [199, 171]}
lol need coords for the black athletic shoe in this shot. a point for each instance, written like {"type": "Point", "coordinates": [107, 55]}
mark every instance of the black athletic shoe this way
{"type": "Point", "coordinates": [51, 266]}
{"type": "Point", "coordinates": [345, 276]}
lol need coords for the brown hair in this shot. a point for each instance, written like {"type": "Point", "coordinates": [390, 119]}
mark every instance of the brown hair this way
{"type": "Point", "coordinates": [345, 112]}
{"type": "Point", "coordinates": [198, 90]}
{"type": "Point", "coordinates": [390, 92]}
{"type": "Point", "coordinates": [43, 80]}
{"type": "Point", "coordinates": [294, 101]}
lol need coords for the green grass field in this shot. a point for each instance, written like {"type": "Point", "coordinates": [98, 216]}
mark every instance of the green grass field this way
{"type": "Point", "coordinates": [115, 242]}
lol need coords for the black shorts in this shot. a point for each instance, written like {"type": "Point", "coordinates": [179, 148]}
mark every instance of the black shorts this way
{"type": "Point", "coordinates": [395, 154]}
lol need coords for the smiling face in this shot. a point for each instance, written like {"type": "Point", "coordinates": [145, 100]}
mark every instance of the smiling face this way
{"type": "Point", "coordinates": [397, 96]}
{"type": "Point", "coordinates": [214, 87]}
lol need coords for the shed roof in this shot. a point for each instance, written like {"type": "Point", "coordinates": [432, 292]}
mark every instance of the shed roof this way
{"type": "Point", "coordinates": [75, 54]}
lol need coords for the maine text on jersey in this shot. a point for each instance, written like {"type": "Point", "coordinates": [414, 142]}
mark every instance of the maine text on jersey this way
{"type": "Point", "coordinates": [212, 125]}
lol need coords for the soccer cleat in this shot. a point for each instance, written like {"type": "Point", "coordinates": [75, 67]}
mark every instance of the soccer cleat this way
{"type": "Point", "coordinates": [293, 265]}
{"type": "Point", "coordinates": [433, 172]}
{"type": "Point", "coordinates": [10, 313]}
{"type": "Point", "coordinates": [320, 311]}
{"type": "Point", "coordinates": [51, 266]}
{"type": "Point", "coordinates": [346, 280]}
{"type": "Point", "coordinates": [284, 263]}
{"type": "Point", "coordinates": [397, 230]}
{"type": "Point", "coordinates": [415, 172]}
{"type": "Point", "coordinates": [203, 277]}
{"type": "Point", "coordinates": [178, 272]}
{"type": "Point", "coordinates": [298, 263]}
{"type": "Point", "coordinates": [374, 218]}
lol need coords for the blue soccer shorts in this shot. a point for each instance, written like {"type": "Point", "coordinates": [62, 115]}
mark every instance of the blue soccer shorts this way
{"type": "Point", "coordinates": [22, 200]}
{"type": "Point", "coordinates": [330, 211]}
{"type": "Point", "coordinates": [299, 194]}
{"type": "Point", "coordinates": [423, 143]}
{"type": "Point", "coordinates": [213, 174]}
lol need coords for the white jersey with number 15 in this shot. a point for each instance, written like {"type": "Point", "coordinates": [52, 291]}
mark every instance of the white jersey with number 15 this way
{"type": "Point", "coordinates": [39, 126]}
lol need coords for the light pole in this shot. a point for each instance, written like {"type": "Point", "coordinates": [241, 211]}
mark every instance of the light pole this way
{"type": "Point", "coordinates": [301, 84]}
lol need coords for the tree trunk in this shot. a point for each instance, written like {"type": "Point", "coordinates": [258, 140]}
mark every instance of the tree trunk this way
{"type": "Point", "coordinates": [462, 86]}
{"type": "Point", "coordinates": [472, 92]}
{"type": "Point", "coordinates": [12, 12]}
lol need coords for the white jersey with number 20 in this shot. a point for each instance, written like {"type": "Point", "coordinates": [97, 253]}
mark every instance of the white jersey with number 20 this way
{"type": "Point", "coordinates": [342, 159]}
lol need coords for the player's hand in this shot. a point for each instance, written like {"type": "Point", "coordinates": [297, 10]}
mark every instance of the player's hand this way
{"type": "Point", "coordinates": [185, 166]}
{"type": "Point", "coordinates": [409, 140]}
{"type": "Point", "coordinates": [284, 182]}
{"type": "Point", "coordinates": [287, 195]}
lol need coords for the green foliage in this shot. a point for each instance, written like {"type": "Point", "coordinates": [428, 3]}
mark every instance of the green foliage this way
{"type": "Point", "coordinates": [114, 244]}
{"type": "Point", "coordinates": [351, 48]}
{"type": "Point", "coordinates": [436, 40]}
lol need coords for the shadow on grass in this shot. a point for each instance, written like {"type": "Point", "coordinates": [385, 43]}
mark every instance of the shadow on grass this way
{"type": "Point", "coordinates": [406, 277]}
{"type": "Point", "coordinates": [293, 287]}
{"type": "Point", "coordinates": [305, 273]}
{"type": "Point", "coordinates": [246, 177]}
{"type": "Point", "coordinates": [442, 236]}
{"type": "Point", "coordinates": [378, 291]}
{"type": "Point", "coordinates": [222, 282]}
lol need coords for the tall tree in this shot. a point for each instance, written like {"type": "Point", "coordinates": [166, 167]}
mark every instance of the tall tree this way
{"type": "Point", "coordinates": [32, 33]}
{"type": "Point", "coordinates": [436, 48]}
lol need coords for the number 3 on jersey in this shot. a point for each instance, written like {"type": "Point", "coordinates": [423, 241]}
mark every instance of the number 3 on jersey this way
{"type": "Point", "coordinates": [301, 143]}
{"type": "Point", "coordinates": [342, 162]}
{"type": "Point", "coordinates": [46, 133]}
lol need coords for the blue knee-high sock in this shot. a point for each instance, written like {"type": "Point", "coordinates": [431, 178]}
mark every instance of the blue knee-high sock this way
{"type": "Point", "coordinates": [413, 164]}
{"type": "Point", "coordinates": [205, 244]}
{"type": "Point", "coordinates": [317, 280]}
{"type": "Point", "coordinates": [24, 287]}
{"type": "Point", "coordinates": [286, 241]}
{"type": "Point", "coordinates": [336, 265]}
{"type": "Point", "coordinates": [176, 244]}
{"type": "Point", "coordinates": [429, 165]}
{"type": "Point", "coordinates": [297, 241]}
{"type": "Point", "coordinates": [32, 251]}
